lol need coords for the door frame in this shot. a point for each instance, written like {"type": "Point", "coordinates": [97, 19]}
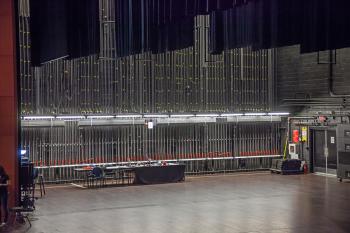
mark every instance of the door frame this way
{"type": "Point", "coordinates": [313, 169]}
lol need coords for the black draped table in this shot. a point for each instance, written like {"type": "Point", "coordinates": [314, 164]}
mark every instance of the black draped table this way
{"type": "Point", "coordinates": [159, 174]}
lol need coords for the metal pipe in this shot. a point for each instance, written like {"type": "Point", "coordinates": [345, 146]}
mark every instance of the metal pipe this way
{"type": "Point", "coordinates": [331, 79]}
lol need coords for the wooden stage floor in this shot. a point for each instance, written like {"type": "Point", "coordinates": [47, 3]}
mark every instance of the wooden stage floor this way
{"type": "Point", "coordinates": [254, 203]}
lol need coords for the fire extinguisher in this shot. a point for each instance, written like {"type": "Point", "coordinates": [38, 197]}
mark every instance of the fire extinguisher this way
{"type": "Point", "coordinates": [305, 168]}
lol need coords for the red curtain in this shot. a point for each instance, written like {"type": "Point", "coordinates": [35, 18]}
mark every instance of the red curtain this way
{"type": "Point", "coordinates": [8, 97]}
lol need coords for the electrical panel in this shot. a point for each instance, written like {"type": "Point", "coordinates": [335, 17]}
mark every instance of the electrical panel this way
{"type": "Point", "coordinates": [343, 164]}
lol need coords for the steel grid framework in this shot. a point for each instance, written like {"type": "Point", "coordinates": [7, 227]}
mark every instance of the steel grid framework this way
{"type": "Point", "coordinates": [188, 80]}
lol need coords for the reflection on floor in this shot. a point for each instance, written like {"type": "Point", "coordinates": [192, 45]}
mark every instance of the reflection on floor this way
{"type": "Point", "coordinates": [258, 202]}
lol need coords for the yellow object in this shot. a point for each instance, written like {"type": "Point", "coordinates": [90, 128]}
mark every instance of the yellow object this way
{"type": "Point", "coordinates": [285, 148]}
{"type": "Point", "coordinates": [304, 134]}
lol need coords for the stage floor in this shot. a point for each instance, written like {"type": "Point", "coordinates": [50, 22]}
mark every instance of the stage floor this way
{"type": "Point", "coordinates": [248, 202]}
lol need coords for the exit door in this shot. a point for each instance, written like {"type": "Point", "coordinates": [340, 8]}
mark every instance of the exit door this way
{"type": "Point", "coordinates": [322, 140]}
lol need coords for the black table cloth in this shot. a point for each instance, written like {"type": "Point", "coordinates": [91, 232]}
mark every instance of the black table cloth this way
{"type": "Point", "coordinates": [159, 174]}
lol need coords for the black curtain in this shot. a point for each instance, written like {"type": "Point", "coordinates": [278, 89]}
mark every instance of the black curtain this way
{"type": "Point", "coordinates": [315, 26]}
{"type": "Point", "coordinates": [63, 28]}
{"type": "Point", "coordinates": [48, 25]}
{"type": "Point", "coordinates": [286, 21]}
{"type": "Point", "coordinates": [217, 34]}
{"type": "Point", "coordinates": [341, 24]}
{"type": "Point", "coordinates": [134, 26]}
{"type": "Point", "coordinates": [180, 34]}
{"type": "Point", "coordinates": [326, 25]}
{"type": "Point", "coordinates": [263, 14]}
{"type": "Point", "coordinates": [165, 25]}
{"type": "Point", "coordinates": [153, 25]}
{"type": "Point", "coordinates": [128, 26]}
{"type": "Point", "coordinates": [83, 28]}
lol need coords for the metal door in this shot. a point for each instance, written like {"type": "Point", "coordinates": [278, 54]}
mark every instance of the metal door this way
{"type": "Point", "coordinates": [332, 149]}
{"type": "Point", "coordinates": [325, 151]}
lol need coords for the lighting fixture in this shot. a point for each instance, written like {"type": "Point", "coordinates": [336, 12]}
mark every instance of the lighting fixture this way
{"type": "Point", "coordinates": [100, 117]}
{"type": "Point", "coordinates": [129, 116]}
{"type": "Point", "coordinates": [279, 113]}
{"type": "Point", "coordinates": [182, 115]}
{"type": "Point", "coordinates": [255, 114]}
{"type": "Point", "coordinates": [155, 116]}
{"type": "Point", "coordinates": [38, 117]}
{"type": "Point", "coordinates": [231, 114]}
{"type": "Point", "coordinates": [207, 115]}
{"type": "Point", "coordinates": [69, 117]}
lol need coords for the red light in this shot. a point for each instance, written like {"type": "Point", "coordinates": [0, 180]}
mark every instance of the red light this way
{"type": "Point", "coordinates": [295, 136]}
